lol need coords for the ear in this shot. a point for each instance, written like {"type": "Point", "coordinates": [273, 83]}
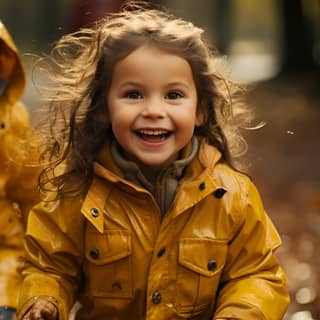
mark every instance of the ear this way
{"type": "Point", "coordinates": [200, 117]}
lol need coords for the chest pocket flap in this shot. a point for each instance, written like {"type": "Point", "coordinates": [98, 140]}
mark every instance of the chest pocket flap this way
{"type": "Point", "coordinates": [204, 256]}
{"type": "Point", "coordinates": [108, 247]}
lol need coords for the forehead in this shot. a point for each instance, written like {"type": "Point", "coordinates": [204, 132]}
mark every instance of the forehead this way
{"type": "Point", "coordinates": [151, 61]}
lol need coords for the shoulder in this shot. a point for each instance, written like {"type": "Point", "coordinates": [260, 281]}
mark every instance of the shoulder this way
{"type": "Point", "coordinates": [235, 183]}
{"type": "Point", "coordinates": [64, 213]}
{"type": "Point", "coordinates": [233, 180]}
{"type": "Point", "coordinates": [241, 192]}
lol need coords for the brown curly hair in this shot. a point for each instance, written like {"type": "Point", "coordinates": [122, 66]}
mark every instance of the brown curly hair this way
{"type": "Point", "coordinates": [82, 69]}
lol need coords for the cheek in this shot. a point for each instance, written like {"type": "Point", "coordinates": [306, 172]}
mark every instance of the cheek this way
{"type": "Point", "coordinates": [185, 126]}
{"type": "Point", "coordinates": [118, 129]}
{"type": "Point", "coordinates": [112, 111]}
{"type": "Point", "coordinates": [188, 118]}
{"type": "Point", "coordinates": [121, 122]}
{"type": "Point", "coordinates": [114, 120]}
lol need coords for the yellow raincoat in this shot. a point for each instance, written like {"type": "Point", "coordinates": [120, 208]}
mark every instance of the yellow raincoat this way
{"type": "Point", "coordinates": [18, 192]}
{"type": "Point", "coordinates": [211, 256]}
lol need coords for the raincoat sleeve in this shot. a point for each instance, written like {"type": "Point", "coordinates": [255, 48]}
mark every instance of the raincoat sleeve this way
{"type": "Point", "coordinates": [252, 284]}
{"type": "Point", "coordinates": [54, 255]}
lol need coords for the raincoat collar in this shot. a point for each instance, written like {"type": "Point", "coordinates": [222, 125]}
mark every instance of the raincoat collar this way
{"type": "Point", "coordinates": [198, 173]}
{"type": "Point", "coordinates": [164, 188]}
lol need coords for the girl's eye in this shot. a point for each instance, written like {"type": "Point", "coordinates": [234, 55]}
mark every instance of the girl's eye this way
{"type": "Point", "coordinates": [173, 95]}
{"type": "Point", "coordinates": [133, 95]}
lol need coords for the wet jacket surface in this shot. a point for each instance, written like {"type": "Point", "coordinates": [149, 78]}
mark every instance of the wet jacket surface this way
{"type": "Point", "coordinates": [18, 191]}
{"type": "Point", "coordinates": [211, 255]}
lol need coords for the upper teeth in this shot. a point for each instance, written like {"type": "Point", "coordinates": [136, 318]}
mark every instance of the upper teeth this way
{"type": "Point", "coordinates": [153, 132]}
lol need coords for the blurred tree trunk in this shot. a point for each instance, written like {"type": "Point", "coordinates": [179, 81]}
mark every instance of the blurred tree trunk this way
{"type": "Point", "coordinates": [298, 38]}
{"type": "Point", "coordinates": [223, 15]}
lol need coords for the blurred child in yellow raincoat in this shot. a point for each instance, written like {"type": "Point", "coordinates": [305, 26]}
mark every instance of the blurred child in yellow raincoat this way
{"type": "Point", "coordinates": [18, 190]}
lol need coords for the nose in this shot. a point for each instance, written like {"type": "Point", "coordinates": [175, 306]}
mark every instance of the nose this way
{"type": "Point", "coordinates": [154, 108]}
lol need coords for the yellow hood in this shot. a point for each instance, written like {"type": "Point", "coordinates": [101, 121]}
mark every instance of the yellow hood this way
{"type": "Point", "coordinates": [17, 81]}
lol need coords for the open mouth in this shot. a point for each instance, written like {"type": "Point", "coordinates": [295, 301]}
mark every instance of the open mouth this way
{"type": "Point", "coordinates": [153, 135]}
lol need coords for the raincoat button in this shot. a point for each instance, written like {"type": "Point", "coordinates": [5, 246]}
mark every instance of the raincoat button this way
{"type": "Point", "coordinates": [219, 193]}
{"type": "Point", "coordinates": [94, 212]}
{"type": "Point", "coordinates": [2, 125]}
{"type": "Point", "coordinates": [202, 186]}
{"type": "Point", "coordinates": [94, 253]}
{"type": "Point", "coordinates": [161, 252]}
{"type": "Point", "coordinates": [212, 264]}
{"type": "Point", "coordinates": [156, 297]}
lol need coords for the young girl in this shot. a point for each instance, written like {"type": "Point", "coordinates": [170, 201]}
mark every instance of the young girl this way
{"type": "Point", "coordinates": [146, 216]}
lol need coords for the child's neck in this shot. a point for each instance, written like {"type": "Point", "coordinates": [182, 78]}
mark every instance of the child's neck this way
{"type": "Point", "coordinates": [151, 172]}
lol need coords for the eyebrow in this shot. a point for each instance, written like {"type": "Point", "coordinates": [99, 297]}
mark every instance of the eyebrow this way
{"type": "Point", "coordinates": [170, 84]}
{"type": "Point", "coordinates": [179, 83]}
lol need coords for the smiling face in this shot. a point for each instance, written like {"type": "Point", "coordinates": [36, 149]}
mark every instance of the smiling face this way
{"type": "Point", "coordinates": [152, 104]}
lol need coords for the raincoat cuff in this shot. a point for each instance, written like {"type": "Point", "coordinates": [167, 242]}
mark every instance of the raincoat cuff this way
{"type": "Point", "coordinates": [62, 313]}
